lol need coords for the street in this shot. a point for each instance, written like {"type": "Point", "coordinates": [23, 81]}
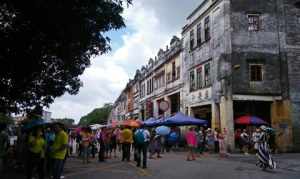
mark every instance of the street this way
{"type": "Point", "coordinates": [174, 166]}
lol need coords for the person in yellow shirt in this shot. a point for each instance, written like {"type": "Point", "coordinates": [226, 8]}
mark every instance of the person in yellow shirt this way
{"type": "Point", "coordinates": [36, 148]}
{"type": "Point", "coordinates": [59, 150]}
{"type": "Point", "coordinates": [127, 140]}
{"type": "Point", "coordinates": [86, 139]}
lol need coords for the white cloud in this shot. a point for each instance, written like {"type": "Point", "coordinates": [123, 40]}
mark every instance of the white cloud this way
{"type": "Point", "coordinates": [152, 23]}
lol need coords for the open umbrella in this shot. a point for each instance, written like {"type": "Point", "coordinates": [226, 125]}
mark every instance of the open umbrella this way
{"type": "Point", "coordinates": [250, 120]}
{"type": "Point", "coordinates": [132, 123]}
{"type": "Point", "coordinates": [34, 123]}
{"type": "Point", "coordinates": [180, 119]}
{"type": "Point", "coordinates": [152, 122]}
{"type": "Point", "coordinates": [162, 130]}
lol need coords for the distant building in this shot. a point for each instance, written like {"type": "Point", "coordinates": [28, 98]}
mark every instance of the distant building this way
{"type": "Point", "coordinates": [46, 115]}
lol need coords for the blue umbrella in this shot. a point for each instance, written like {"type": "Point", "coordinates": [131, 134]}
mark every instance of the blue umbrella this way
{"type": "Point", "coordinates": [179, 119]}
{"type": "Point", "coordinates": [152, 122]}
{"type": "Point", "coordinates": [34, 123]}
{"type": "Point", "coordinates": [162, 130]}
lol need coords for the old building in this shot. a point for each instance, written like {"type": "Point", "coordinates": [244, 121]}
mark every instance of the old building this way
{"type": "Point", "coordinates": [237, 63]}
{"type": "Point", "coordinates": [168, 79]}
{"type": "Point", "coordinates": [235, 58]}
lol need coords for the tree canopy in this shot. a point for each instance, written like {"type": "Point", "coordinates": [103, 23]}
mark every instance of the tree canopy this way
{"type": "Point", "coordinates": [46, 44]}
{"type": "Point", "coordinates": [5, 119]}
{"type": "Point", "coordinates": [97, 116]}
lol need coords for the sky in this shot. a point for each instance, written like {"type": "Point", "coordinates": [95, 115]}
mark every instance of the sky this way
{"type": "Point", "coordinates": [150, 25]}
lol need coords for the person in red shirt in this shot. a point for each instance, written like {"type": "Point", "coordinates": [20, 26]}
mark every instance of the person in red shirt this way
{"type": "Point", "coordinates": [191, 140]}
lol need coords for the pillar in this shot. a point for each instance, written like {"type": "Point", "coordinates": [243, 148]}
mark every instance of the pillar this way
{"type": "Point", "coordinates": [226, 121]}
{"type": "Point", "coordinates": [215, 115]}
{"type": "Point", "coordinates": [281, 121]}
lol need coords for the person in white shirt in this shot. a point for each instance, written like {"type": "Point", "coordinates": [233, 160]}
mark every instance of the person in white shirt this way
{"type": "Point", "coordinates": [255, 138]}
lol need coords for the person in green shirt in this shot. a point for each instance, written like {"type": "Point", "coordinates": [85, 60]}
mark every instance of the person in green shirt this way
{"type": "Point", "coordinates": [59, 150]}
{"type": "Point", "coordinates": [36, 148]}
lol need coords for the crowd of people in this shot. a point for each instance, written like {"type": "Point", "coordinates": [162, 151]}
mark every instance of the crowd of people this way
{"type": "Point", "coordinates": [47, 148]}
{"type": "Point", "coordinates": [40, 152]}
{"type": "Point", "coordinates": [246, 140]}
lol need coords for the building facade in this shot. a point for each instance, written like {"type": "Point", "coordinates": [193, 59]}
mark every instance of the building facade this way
{"type": "Point", "coordinates": [235, 58]}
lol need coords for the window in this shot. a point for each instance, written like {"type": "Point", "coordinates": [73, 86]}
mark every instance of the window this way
{"type": "Point", "coordinates": [156, 83]}
{"type": "Point", "coordinates": [206, 29]}
{"type": "Point", "coordinates": [173, 71]}
{"type": "Point", "coordinates": [253, 22]}
{"type": "Point", "coordinates": [199, 34]}
{"type": "Point", "coordinates": [178, 72]}
{"type": "Point", "coordinates": [168, 77]}
{"type": "Point", "coordinates": [199, 82]}
{"type": "Point", "coordinates": [192, 38]}
{"type": "Point", "coordinates": [256, 72]}
{"type": "Point", "coordinates": [143, 90]}
{"type": "Point", "coordinates": [151, 85]}
{"type": "Point", "coordinates": [192, 80]}
{"type": "Point", "coordinates": [207, 74]}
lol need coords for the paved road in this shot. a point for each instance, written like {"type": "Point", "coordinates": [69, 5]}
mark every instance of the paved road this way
{"type": "Point", "coordinates": [174, 166]}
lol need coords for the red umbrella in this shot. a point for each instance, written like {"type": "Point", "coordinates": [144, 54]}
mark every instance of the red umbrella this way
{"type": "Point", "coordinates": [250, 120]}
{"type": "Point", "coordinates": [132, 123]}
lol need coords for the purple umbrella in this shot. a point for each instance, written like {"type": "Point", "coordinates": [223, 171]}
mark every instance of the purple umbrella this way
{"type": "Point", "coordinates": [179, 119]}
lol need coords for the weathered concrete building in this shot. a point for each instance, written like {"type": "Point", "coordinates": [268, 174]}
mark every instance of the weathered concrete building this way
{"type": "Point", "coordinates": [161, 81]}
{"type": "Point", "coordinates": [235, 58]}
{"type": "Point", "coordinates": [241, 55]}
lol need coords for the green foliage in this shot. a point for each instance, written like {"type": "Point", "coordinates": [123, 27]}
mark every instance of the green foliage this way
{"type": "Point", "coordinates": [47, 44]}
{"type": "Point", "coordinates": [5, 119]}
{"type": "Point", "coordinates": [97, 116]}
{"type": "Point", "coordinates": [65, 121]}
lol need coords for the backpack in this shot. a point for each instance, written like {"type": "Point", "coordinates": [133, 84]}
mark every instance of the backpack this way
{"type": "Point", "coordinates": [173, 137]}
{"type": "Point", "coordinates": [139, 137]}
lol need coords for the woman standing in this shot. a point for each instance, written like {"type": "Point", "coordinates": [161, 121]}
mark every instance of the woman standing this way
{"type": "Point", "coordinates": [37, 147]}
{"type": "Point", "coordinates": [265, 159]}
{"type": "Point", "coordinates": [222, 146]}
{"type": "Point", "coordinates": [245, 140]}
{"type": "Point", "coordinates": [191, 140]}
{"type": "Point", "coordinates": [210, 140]}
{"type": "Point", "coordinates": [85, 135]}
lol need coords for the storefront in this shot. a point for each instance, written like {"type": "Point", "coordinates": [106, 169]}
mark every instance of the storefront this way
{"type": "Point", "coordinates": [202, 112]}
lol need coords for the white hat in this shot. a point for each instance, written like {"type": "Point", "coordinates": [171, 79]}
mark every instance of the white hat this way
{"type": "Point", "coordinates": [263, 127]}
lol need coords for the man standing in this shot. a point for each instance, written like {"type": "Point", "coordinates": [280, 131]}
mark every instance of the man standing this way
{"type": "Point", "coordinates": [127, 141]}
{"type": "Point", "coordinates": [59, 150]}
{"type": "Point", "coordinates": [141, 140]}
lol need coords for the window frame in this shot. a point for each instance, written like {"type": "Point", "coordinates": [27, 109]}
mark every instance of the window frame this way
{"type": "Point", "coordinates": [192, 83]}
{"type": "Point", "coordinates": [192, 39]}
{"type": "Point", "coordinates": [253, 26]}
{"type": "Point", "coordinates": [199, 77]}
{"type": "Point", "coordinates": [207, 28]}
{"type": "Point", "coordinates": [261, 73]}
{"type": "Point", "coordinates": [198, 32]}
{"type": "Point", "coordinates": [207, 77]}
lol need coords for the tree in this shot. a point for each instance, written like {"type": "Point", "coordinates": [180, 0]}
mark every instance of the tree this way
{"type": "Point", "coordinates": [46, 44]}
{"type": "Point", "coordinates": [97, 116]}
{"type": "Point", "coordinates": [5, 119]}
{"type": "Point", "coordinates": [66, 121]}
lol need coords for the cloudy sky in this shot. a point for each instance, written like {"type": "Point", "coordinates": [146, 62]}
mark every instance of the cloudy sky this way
{"type": "Point", "coordinates": [150, 26]}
